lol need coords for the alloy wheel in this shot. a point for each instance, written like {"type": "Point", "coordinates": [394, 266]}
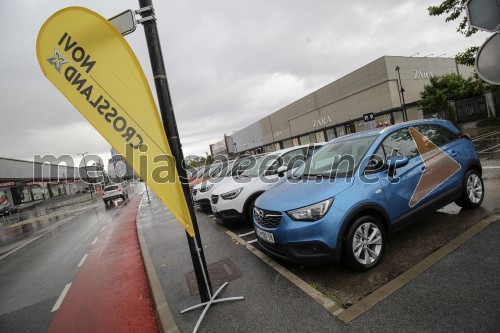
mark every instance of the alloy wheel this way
{"type": "Point", "coordinates": [367, 243]}
{"type": "Point", "coordinates": [474, 188]}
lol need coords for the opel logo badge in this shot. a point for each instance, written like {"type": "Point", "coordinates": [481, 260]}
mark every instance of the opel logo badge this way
{"type": "Point", "coordinates": [260, 214]}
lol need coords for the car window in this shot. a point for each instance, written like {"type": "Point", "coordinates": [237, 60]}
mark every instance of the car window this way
{"type": "Point", "coordinates": [337, 159]}
{"type": "Point", "coordinates": [254, 168]}
{"type": "Point", "coordinates": [290, 158]}
{"type": "Point", "coordinates": [400, 143]}
{"type": "Point", "coordinates": [111, 188]}
{"type": "Point", "coordinates": [432, 133]}
{"type": "Point", "coordinates": [450, 136]}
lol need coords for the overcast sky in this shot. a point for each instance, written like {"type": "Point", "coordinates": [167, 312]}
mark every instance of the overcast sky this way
{"type": "Point", "coordinates": [229, 63]}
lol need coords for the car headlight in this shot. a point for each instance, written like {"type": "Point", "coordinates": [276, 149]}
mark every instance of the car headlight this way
{"type": "Point", "coordinates": [231, 194]}
{"type": "Point", "coordinates": [311, 213]}
{"type": "Point", "coordinates": [206, 188]}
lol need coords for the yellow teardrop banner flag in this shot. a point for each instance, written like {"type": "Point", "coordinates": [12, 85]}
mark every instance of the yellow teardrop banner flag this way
{"type": "Point", "coordinates": [90, 62]}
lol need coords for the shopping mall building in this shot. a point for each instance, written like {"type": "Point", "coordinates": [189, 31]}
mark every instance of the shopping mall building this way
{"type": "Point", "coordinates": [22, 182]}
{"type": "Point", "coordinates": [338, 108]}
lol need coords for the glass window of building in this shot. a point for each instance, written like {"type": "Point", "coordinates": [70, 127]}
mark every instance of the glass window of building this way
{"type": "Point", "coordinates": [37, 192]}
{"type": "Point", "coordinates": [304, 140]}
{"type": "Point", "coordinates": [330, 134]}
{"type": "Point", "coordinates": [320, 136]}
{"type": "Point", "coordinates": [340, 130]}
{"type": "Point", "coordinates": [269, 148]}
{"type": "Point", "coordinates": [397, 117]}
{"type": "Point", "coordinates": [295, 142]}
{"type": "Point", "coordinates": [287, 143]}
{"type": "Point", "coordinates": [312, 138]}
{"type": "Point", "coordinates": [359, 125]}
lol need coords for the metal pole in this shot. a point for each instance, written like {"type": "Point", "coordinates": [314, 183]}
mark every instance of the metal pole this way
{"type": "Point", "coordinates": [170, 126]}
{"type": "Point", "coordinates": [405, 116]}
{"type": "Point", "coordinates": [147, 192]}
{"type": "Point", "coordinates": [87, 173]}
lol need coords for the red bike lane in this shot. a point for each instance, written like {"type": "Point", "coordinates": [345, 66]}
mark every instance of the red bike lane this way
{"type": "Point", "coordinates": [110, 293]}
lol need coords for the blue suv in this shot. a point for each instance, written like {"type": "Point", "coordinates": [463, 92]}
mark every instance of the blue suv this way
{"type": "Point", "coordinates": [345, 200]}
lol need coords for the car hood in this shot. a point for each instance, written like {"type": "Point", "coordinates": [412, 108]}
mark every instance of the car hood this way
{"type": "Point", "coordinates": [289, 194]}
{"type": "Point", "coordinates": [233, 184]}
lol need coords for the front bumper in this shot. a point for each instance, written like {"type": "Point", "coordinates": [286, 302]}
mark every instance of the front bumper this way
{"type": "Point", "coordinates": [314, 252]}
{"type": "Point", "coordinates": [229, 214]}
{"type": "Point", "coordinates": [304, 242]}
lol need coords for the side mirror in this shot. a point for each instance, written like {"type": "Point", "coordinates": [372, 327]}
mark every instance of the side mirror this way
{"type": "Point", "coordinates": [281, 171]}
{"type": "Point", "coordinates": [394, 162]}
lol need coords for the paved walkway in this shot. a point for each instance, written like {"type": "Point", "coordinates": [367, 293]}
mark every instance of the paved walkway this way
{"type": "Point", "coordinates": [459, 293]}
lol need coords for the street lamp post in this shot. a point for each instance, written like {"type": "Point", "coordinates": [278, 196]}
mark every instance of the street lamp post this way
{"type": "Point", "coordinates": [402, 91]}
{"type": "Point", "coordinates": [86, 172]}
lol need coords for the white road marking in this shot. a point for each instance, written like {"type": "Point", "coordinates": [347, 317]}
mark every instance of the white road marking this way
{"type": "Point", "coordinates": [252, 241]}
{"type": "Point", "coordinates": [95, 240]}
{"type": "Point", "coordinates": [248, 233]}
{"type": "Point", "coordinates": [484, 136]}
{"type": "Point", "coordinates": [61, 298]}
{"type": "Point", "coordinates": [83, 260]}
{"type": "Point", "coordinates": [482, 151]}
{"type": "Point", "coordinates": [103, 228]}
{"type": "Point", "coordinates": [491, 167]}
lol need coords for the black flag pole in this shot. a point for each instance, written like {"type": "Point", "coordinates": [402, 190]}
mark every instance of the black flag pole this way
{"type": "Point", "coordinates": [170, 126]}
{"type": "Point", "coordinates": [168, 118]}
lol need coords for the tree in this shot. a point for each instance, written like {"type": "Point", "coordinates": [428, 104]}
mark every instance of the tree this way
{"type": "Point", "coordinates": [455, 9]}
{"type": "Point", "coordinates": [448, 87]}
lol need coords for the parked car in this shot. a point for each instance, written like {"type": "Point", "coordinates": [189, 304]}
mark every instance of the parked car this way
{"type": "Point", "coordinates": [9, 210]}
{"type": "Point", "coordinates": [203, 191]}
{"type": "Point", "coordinates": [235, 198]}
{"type": "Point", "coordinates": [333, 208]}
{"type": "Point", "coordinates": [115, 191]}
{"type": "Point", "coordinates": [205, 173]}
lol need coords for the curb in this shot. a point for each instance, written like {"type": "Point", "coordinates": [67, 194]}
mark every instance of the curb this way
{"type": "Point", "coordinates": [164, 318]}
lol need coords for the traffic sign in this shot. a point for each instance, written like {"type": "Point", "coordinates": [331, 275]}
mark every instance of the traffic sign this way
{"type": "Point", "coordinates": [488, 60]}
{"type": "Point", "coordinates": [484, 14]}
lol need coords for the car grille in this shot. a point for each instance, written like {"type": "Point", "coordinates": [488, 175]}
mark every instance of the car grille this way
{"type": "Point", "coordinates": [215, 198]}
{"type": "Point", "coordinates": [267, 218]}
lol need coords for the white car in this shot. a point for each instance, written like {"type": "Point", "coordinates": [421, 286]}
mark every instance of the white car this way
{"type": "Point", "coordinates": [115, 191]}
{"type": "Point", "coordinates": [203, 192]}
{"type": "Point", "coordinates": [234, 199]}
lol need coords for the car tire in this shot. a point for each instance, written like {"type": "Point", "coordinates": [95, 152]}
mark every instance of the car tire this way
{"type": "Point", "coordinates": [365, 243]}
{"type": "Point", "coordinates": [472, 190]}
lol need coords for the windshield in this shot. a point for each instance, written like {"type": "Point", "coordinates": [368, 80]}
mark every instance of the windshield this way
{"type": "Point", "coordinates": [338, 159]}
{"type": "Point", "coordinates": [111, 188]}
{"type": "Point", "coordinates": [226, 169]}
{"type": "Point", "coordinates": [254, 167]}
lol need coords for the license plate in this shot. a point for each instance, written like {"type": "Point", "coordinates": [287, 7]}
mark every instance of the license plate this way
{"type": "Point", "coordinates": [267, 236]}
{"type": "Point", "coordinates": [213, 208]}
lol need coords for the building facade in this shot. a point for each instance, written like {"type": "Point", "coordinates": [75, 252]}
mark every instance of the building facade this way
{"type": "Point", "coordinates": [337, 109]}
{"type": "Point", "coordinates": [25, 181]}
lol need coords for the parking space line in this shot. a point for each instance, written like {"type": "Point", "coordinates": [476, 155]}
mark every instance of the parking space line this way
{"type": "Point", "coordinates": [252, 241]}
{"type": "Point", "coordinates": [387, 289]}
{"type": "Point", "coordinates": [484, 136]}
{"type": "Point", "coordinates": [482, 151]}
{"type": "Point", "coordinates": [317, 296]}
{"type": "Point", "coordinates": [83, 260]}
{"type": "Point", "coordinates": [103, 228]}
{"type": "Point", "coordinates": [95, 240]}
{"type": "Point", "coordinates": [248, 233]}
{"type": "Point", "coordinates": [61, 298]}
